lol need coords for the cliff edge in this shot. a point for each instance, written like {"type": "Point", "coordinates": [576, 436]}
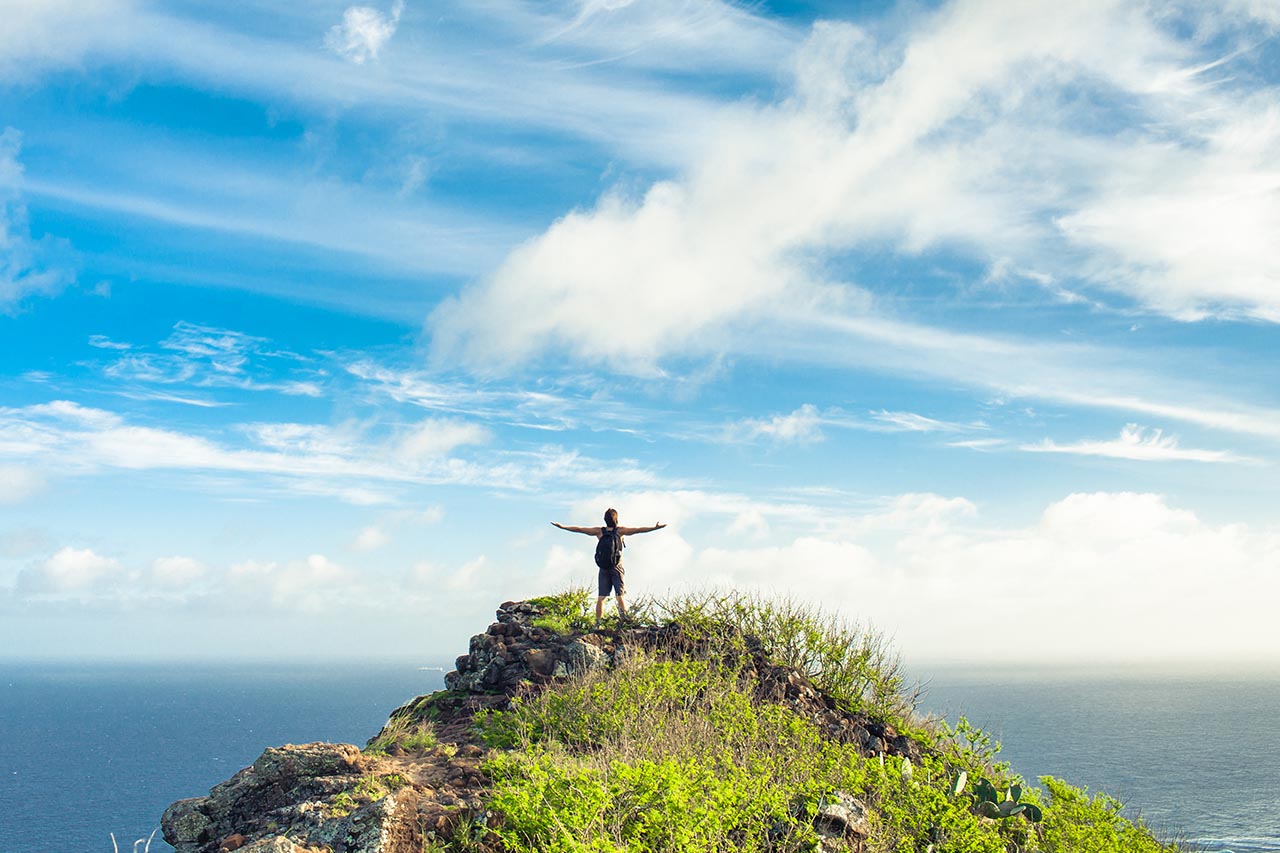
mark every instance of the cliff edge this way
{"type": "Point", "coordinates": [729, 725]}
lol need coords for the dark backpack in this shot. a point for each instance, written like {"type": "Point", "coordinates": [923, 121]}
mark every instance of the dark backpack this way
{"type": "Point", "coordinates": [609, 548]}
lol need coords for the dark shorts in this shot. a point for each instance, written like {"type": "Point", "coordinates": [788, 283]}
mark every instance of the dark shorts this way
{"type": "Point", "coordinates": [612, 579]}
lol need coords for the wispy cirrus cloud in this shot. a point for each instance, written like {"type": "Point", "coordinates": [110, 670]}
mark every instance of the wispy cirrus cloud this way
{"type": "Point", "coordinates": [1138, 444]}
{"type": "Point", "coordinates": [912, 422]}
{"type": "Point", "coordinates": [207, 357]}
{"type": "Point", "coordinates": [358, 462]}
{"type": "Point", "coordinates": [26, 268]}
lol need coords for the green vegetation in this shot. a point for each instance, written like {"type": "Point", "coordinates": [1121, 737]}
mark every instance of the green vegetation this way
{"type": "Point", "coordinates": [849, 662]}
{"type": "Point", "coordinates": [565, 612]}
{"type": "Point", "coordinates": [1077, 822]}
{"type": "Point", "coordinates": [410, 732]}
{"type": "Point", "coordinates": [342, 804]}
{"type": "Point", "coordinates": [670, 751]}
{"type": "Point", "coordinates": [367, 789]}
{"type": "Point", "coordinates": [988, 802]}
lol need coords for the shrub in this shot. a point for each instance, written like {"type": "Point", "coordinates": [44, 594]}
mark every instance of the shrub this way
{"type": "Point", "coordinates": [564, 612]}
{"type": "Point", "coordinates": [1075, 822]}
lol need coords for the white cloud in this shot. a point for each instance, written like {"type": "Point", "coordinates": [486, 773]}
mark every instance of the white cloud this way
{"type": "Point", "coordinates": [802, 426]}
{"type": "Point", "coordinates": [364, 31]}
{"type": "Point", "coordinates": [177, 571]}
{"type": "Point", "coordinates": [210, 357]}
{"type": "Point", "coordinates": [55, 32]}
{"type": "Point", "coordinates": [911, 422]}
{"type": "Point", "coordinates": [70, 571]}
{"type": "Point", "coordinates": [1137, 444]}
{"type": "Point", "coordinates": [370, 539]}
{"type": "Point", "coordinates": [1097, 577]}
{"type": "Point", "coordinates": [914, 512]}
{"type": "Point", "coordinates": [991, 129]}
{"type": "Point", "coordinates": [436, 437]}
{"type": "Point", "coordinates": [24, 263]}
{"type": "Point", "coordinates": [226, 351]}
{"type": "Point", "coordinates": [312, 585]}
{"type": "Point", "coordinates": [357, 463]}
{"type": "Point", "coordinates": [104, 342]}
{"type": "Point", "coordinates": [18, 483]}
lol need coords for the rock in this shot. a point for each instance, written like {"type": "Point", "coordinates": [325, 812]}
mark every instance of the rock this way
{"type": "Point", "coordinates": [185, 823]}
{"type": "Point", "coordinates": [246, 803]}
{"type": "Point", "coordinates": [278, 844]}
{"type": "Point", "coordinates": [541, 661]}
{"type": "Point", "coordinates": [844, 817]}
{"type": "Point", "coordinates": [581, 657]}
{"type": "Point", "coordinates": [232, 842]}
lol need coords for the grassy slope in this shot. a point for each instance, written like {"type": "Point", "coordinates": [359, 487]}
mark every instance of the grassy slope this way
{"type": "Point", "coordinates": [670, 752]}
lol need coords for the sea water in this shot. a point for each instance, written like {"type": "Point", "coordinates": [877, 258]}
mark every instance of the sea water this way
{"type": "Point", "coordinates": [1195, 754]}
{"type": "Point", "coordinates": [86, 751]}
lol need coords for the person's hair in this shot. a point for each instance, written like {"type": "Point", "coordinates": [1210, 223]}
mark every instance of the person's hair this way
{"type": "Point", "coordinates": [611, 517]}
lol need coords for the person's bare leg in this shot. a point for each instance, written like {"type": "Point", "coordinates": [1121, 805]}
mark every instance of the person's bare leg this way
{"type": "Point", "coordinates": [600, 608]}
{"type": "Point", "coordinates": [622, 608]}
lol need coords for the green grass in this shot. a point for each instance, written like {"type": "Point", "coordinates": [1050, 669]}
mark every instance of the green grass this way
{"type": "Point", "coordinates": [669, 752]}
{"type": "Point", "coordinates": [564, 612]}
{"type": "Point", "coordinates": [409, 731]}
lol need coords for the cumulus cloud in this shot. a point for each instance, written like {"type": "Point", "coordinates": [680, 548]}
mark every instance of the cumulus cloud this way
{"type": "Point", "coordinates": [1108, 576]}
{"type": "Point", "coordinates": [70, 571]}
{"type": "Point", "coordinates": [363, 33]}
{"type": "Point", "coordinates": [177, 571]}
{"type": "Point", "coordinates": [1137, 444]}
{"type": "Point", "coordinates": [993, 129]}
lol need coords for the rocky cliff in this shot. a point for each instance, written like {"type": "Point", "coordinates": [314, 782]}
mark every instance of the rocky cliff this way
{"type": "Point", "coordinates": [420, 782]}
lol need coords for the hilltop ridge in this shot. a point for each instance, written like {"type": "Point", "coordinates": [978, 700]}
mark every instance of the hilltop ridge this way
{"type": "Point", "coordinates": [710, 723]}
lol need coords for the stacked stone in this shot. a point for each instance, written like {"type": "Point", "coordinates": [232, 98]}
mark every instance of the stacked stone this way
{"type": "Point", "coordinates": [514, 653]}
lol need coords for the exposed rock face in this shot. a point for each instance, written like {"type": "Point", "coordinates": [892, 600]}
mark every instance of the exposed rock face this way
{"type": "Point", "coordinates": [514, 654]}
{"type": "Point", "coordinates": [338, 799]}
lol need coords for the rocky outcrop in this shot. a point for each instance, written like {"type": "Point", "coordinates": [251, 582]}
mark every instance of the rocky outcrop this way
{"type": "Point", "coordinates": [411, 789]}
{"type": "Point", "coordinates": [514, 654]}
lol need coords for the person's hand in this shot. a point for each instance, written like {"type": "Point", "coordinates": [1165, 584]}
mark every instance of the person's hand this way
{"type": "Point", "coordinates": [557, 524]}
{"type": "Point", "coordinates": [659, 526]}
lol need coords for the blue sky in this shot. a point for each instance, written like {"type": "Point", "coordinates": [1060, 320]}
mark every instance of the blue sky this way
{"type": "Point", "coordinates": [959, 318]}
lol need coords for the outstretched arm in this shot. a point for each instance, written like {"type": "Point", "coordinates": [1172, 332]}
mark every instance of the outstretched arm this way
{"type": "Point", "coordinates": [631, 531]}
{"type": "Point", "coordinates": [590, 531]}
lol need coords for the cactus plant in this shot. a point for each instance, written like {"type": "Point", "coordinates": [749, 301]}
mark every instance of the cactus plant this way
{"type": "Point", "coordinates": [989, 803]}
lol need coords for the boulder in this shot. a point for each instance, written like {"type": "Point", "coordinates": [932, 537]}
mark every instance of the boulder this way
{"type": "Point", "coordinates": [843, 817]}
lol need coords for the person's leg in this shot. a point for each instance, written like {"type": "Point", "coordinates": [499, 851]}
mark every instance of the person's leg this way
{"type": "Point", "coordinates": [604, 585]}
{"type": "Point", "coordinates": [620, 589]}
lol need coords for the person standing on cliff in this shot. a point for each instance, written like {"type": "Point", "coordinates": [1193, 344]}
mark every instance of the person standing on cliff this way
{"type": "Point", "coordinates": [609, 547]}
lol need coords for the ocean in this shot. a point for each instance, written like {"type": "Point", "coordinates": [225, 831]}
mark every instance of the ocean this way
{"type": "Point", "coordinates": [1195, 754]}
{"type": "Point", "coordinates": [86, 751]}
